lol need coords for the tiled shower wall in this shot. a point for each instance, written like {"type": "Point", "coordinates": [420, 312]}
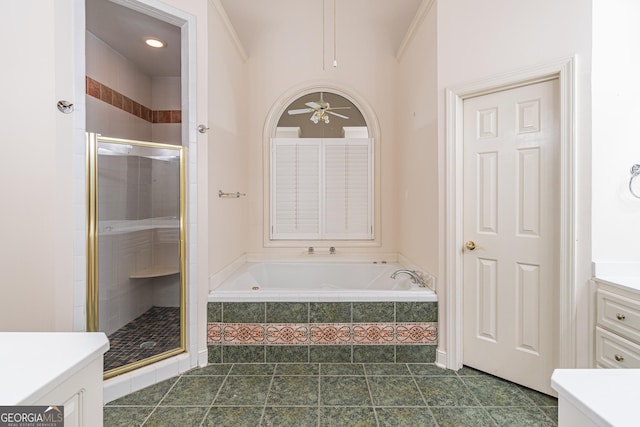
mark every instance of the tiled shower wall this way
{"type": "Point", "coordinates": [123, 102]}
{"type": "Point", "coordinates": [322, 332]}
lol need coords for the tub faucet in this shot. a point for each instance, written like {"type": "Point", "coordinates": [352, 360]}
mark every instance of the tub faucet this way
{"type": "Point", "coordinates": [415, 278]}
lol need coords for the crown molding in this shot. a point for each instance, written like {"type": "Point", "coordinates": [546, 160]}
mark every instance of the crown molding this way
{"type": "Point", "coordinates": [423, 10]}
{"type": "Point", "coordinates": [230, 29]}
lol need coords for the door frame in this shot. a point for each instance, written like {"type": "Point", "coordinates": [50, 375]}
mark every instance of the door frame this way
{"type": "Point", "coordinates": [187, 24]}
{"type": "Point", "coordinates": [564, 71]}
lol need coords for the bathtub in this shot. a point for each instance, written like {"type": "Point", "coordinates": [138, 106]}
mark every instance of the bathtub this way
{"type": "Point", "coordinates": [320, 281]}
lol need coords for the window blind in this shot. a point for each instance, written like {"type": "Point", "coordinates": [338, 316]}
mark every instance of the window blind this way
{"type": "Point", "coordinates": [321, 188]}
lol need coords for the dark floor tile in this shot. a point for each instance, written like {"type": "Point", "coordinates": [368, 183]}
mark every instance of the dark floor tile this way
{"type": "Point", "coordinates": [293, 417]}
{"type": "Point", "coordinates": [154, 332]}
{"type": "Point", "coordinates": [394, 391]}
{"type": "Point", "coordinates": [375, 369]}
{"type": "Point", "coordinates": [468, 371]}
{"type": "Point", "coordinates": [293, 391]}
{"type": "Point", "coordinates": [287, 353]}
{"type": "Point", "coordinates": [115, 416]}
{"type": "Point", "coordinates": [426, 369]}
{"type": "Point", "coordinates": [218, 369]}
{"type": "Point", "coordinates": [347, 417]}
{"type": "Point", "coordinates": [462, 417]}
{"type": "Point", "coordinates": [520, 417]}
{"type": "Point", "coordinates": [551, 411]}
{"type": "Point", "coordinates": [330, 354]}
{"type": "Point", "coordinates": [493, 391]}
{"type": "Point", "coordinates": [244, 391]}
{"type": "Point", "coordinates": [344, 391]}
{"type": "Point", "coordinates": [405, 417]}
{"type": "Point", "coordinates": [341, 369]}
{"type": "Point", "coordinates": [231, 416]}
{"type": "Point", "coordinates": [538, 398]}
{"type": "Point", "coordinates": [183, 417]}
{"type": "Point", "coordinates": [445, 391]}
{"type": "Point", "coordinates": [193, 391]}
{"type": "Point", "coordinates": [297, 369]}
{"type": "Point", "coordinates": [149, 396]}
{"type": "Point", "coordinates": [374, 354]}
{"type": "Point", "coordinates": [253, 369]}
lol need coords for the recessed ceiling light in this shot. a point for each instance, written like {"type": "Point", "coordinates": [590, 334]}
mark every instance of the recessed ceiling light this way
{"type": "Point", "coordinates": [150, 41]}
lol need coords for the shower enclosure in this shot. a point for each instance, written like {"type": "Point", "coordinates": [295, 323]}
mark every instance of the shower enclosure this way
{"type": "Point", "coordinates": [136, 250]}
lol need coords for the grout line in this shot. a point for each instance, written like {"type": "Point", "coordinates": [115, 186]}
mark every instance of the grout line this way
{"type": "Point", "coordinates": [159, 401]}
{"type": "Point", "coordinates": [426, 404]}
{"type": "Point", "coordinates": [373, 403]}
{"type": "Point", "coordinates": [266, 397]}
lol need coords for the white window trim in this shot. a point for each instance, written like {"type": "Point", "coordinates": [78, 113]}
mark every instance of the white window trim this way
{"type": "Point", "coordinates": [269, 131]}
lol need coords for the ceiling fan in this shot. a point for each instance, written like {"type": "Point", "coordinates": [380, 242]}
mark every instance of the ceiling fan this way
{"type": "Point", "coordinates": [321, 110]}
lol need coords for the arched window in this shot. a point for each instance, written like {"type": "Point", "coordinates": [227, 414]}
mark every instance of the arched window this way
{"type": "Point", "coordinates": [321, 165]}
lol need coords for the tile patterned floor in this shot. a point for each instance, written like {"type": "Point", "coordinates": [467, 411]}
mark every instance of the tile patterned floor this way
{"type": "Point", "coordinates": [377, 395]}
{"type": "Point", "coordinates": [158, 325]}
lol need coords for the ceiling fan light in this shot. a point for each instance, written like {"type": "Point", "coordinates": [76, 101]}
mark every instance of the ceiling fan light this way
{"type": "Point", "coordinates": [314, 117]}
{"type": "Point", "coordinates": [326, 119]}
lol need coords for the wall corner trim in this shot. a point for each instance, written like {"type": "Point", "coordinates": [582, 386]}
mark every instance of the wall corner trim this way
{"type": "Point", "coordinates": [423, 10]}
{"type": "Point", "coordinates": [230, 29]}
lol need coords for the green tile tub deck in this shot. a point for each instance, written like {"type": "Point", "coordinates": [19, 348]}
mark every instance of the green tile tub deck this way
{"type": "Point", "coordinates": [332, 394]}
{"type": "Point", "coordinates": [322, 332]}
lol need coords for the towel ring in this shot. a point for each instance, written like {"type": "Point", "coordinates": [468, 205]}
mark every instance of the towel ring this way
{"type": "Point", "coordinates": [635, 171]}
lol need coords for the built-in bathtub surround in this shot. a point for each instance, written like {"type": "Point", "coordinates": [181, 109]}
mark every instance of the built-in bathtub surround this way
{"type": "Point", "coordinates": [322, 332]}
{"type": "Point", "coordinates": [113, 97]}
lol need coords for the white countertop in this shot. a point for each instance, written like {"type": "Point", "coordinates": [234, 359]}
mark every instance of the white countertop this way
{"type": "Point", "coordinates": [625, 275]}
{"type": "Point", "coordinates": [609, 397]}
{"type": "Point", "coordinates": [34, 363]}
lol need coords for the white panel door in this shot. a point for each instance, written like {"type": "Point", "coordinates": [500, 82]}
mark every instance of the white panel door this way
{"type": "Point", "coordinates": [511, 215]}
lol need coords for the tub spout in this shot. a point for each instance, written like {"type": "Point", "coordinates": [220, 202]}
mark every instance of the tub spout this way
{"type": "Point", "coordinates": [415, 278]}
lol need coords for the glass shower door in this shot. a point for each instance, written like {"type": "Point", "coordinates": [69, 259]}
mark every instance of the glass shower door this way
{"type": "Point", "coordinates": [136, 274]}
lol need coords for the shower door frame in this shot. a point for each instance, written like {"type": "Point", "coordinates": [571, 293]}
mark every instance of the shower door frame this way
{"type": "Point", "coordinates": [92, 302]}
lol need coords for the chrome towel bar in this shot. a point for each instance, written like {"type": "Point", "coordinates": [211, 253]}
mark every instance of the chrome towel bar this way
{"type": "Point", "coordinates": [235, 195]}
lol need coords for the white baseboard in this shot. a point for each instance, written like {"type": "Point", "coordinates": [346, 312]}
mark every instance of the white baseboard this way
{"type": "Point", "coordinates": [203, 358]}
{"type": "Point", "coordinates": [441, 359]}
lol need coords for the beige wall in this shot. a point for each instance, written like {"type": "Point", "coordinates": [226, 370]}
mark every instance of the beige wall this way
{"type": "Point", "coordinates": [285, 56]}
{"type": "Point", "coordinates": [417, 136]}
{"type": "Point", "coordinates": [229, 102]}
{"type": "Point", "coordinates": [36, 221]}
{"type": "Point", "coordinates": [478, 40]}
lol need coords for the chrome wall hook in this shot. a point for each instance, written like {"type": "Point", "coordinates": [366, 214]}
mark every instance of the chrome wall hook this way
{"type": "Point", "coordinates": [65, 107]}
{"type": "Point", "coordinates": [635, 171]}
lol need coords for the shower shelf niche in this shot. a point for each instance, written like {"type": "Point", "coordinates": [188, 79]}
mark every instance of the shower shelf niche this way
{"type": "Point", "coordinates": [155, 271]}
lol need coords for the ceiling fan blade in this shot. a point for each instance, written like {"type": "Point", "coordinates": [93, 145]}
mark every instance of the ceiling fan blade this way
{"type": "Point", "coordinates": [338, 115]}
{"type": "Point", "coordinates": [313, 105]}
{"type": "Point", "coordinates": [300, 111]}
{"type": "Point", "coordinates": [339, 108]}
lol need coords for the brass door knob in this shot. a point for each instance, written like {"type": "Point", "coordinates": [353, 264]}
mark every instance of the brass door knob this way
{"type": "Point", "coordinates": [470, 245]}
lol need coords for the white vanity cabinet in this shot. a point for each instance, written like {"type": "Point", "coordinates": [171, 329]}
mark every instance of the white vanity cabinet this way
{"type": "Point", "coordinates": [53, 369]}
{"type": "Point", "coordinates": [617, 334]}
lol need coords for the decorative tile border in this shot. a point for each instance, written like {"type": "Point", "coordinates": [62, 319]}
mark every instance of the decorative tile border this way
{"type": "Point", "coordinates": [219, 333]}
{"type": "Point", "coordinates": [112, 97]}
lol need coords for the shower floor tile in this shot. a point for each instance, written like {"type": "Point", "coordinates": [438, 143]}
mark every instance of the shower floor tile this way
{"type": "Point", "coordinates": [329, 394]}
{"type": "Point", "coordinates": [155, 331]}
